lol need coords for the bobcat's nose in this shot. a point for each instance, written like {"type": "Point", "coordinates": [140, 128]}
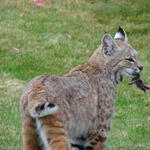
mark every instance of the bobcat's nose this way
{"type": "Point", "coordinates": [140, 67]}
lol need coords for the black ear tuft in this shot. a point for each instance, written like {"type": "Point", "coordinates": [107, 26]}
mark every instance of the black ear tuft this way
{"type": "Point", "coordinates": [121, 31]}
{"type": "Point", "coordinates": [121, 35]}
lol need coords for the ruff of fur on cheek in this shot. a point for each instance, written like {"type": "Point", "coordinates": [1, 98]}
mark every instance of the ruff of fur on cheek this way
{"type": "Point", "coordinates": [117, 77]}
{"type": "Point", "coordinates": [114, 73]}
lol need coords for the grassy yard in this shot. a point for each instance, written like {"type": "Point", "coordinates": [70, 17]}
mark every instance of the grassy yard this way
{"type": "Point", "coordinates": [53, 40]}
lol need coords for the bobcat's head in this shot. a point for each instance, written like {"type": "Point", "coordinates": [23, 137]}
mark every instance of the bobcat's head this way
{"type": "Point", "coordinates": [119, 57]}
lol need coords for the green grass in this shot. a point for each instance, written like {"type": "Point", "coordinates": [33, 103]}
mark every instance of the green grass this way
{"type": "Point", "coordinates": [53, 40]}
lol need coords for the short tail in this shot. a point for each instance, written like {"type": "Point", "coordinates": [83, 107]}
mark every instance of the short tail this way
{"type": "Point", "coordinates": [43, 109]}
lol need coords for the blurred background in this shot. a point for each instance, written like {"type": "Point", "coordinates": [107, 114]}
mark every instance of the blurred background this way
{"type": "Point", "coordinates": [51, 37]}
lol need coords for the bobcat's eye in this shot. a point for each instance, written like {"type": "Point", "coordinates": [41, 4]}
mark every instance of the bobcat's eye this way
{"type": "Point", "coordinates": [130, 59]}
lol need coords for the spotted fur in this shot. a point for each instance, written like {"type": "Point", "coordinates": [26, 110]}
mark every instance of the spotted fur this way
{"type": "Point", "coordinates": [75, 111]}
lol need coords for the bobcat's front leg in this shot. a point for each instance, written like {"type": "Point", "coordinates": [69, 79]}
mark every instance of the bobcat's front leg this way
{"type": "Point", "coordinates": [97, 142]}
{"type": "Point", "coordinates": [99, 146]}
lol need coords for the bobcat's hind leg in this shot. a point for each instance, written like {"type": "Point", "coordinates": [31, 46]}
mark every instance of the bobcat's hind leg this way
{"type": "Point", "coordinates": [52, 133]}
{"type": "Point", "coordinates": [30, 138]}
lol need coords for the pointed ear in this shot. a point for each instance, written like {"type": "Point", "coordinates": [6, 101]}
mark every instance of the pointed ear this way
{"type": "Point", "coordinates": [121, 35]}
{"type": "Point", "coordinates": [108, 45]}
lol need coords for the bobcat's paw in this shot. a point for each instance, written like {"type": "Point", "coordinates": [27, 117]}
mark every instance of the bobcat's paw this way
{"type": "Point", "coordinates": [43, 109]}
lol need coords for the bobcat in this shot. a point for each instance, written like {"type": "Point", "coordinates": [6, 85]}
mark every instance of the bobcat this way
{"type": "Point", "coordinates": [75, 111]}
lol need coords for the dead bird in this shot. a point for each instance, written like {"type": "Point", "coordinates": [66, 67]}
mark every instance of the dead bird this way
{"type": "Point", "coordinates": [139, 83]}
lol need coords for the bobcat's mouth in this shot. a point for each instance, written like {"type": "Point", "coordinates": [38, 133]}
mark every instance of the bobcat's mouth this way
{"type": "Point", "coordinates": [131, 72]}
{"type": "Point", "coordinates": [128, 74]}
